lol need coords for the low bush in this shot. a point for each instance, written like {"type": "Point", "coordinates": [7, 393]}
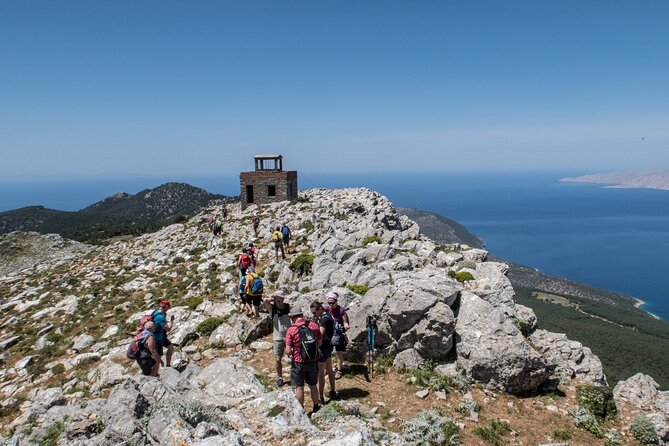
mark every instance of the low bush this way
{"type": "Point", "coordinates": [493, 433]}
{"type": "Point", "coordinates": [358, 289]}
{"type": "Point", "coordinates": [431, 428]}
{"type": "Point", "coordinates": [52, 434]}
{"type": "Point", "coordinates": [468, 406]}
{"type": "Point", "coordinates": [273, 276]}
{"type": "Point", "coordinates": [598, 400]}
{"type": "Point", "coordinates": [643, 430]}
{"type": "Point", "coordinates": [584, 419]}
{"type": "Point", "coordinates": [302, 264]}
{"type": "Point", "coordinates": [371, 239]}
{"type": "Point", "coordinates": [469, 264]}
{"type": "Point", "coordinates": [58, 369]}
{"type": "Point", "coordinates": [194, 302]}
{"type": "Point", "coordinates": [561, 434]}
{"type": "Point", "coordinates": [207, 326]}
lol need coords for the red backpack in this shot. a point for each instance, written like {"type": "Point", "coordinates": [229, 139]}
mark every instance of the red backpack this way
{"type": "Point", "coordinates": [245, 261]}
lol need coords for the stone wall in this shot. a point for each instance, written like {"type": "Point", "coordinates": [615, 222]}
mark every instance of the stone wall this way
{"type": "Point", "coordinates": [285, 184]}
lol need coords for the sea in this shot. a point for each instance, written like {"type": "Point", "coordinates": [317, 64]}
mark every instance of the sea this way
{"type": "Point", "coordinates": [610, 238]}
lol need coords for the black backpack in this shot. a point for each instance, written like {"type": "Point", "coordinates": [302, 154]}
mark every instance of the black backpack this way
{"type": "Point", "coordinates": [308, 343]}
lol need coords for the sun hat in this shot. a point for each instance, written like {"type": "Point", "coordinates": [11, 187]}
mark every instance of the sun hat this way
{"type": "Point", "coordinates": [296, 311]}
{"type": "Point", "coordinates": [332, 296]}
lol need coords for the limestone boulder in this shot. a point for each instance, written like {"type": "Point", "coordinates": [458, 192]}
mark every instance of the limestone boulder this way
{"type": "Point", "coordinates": [493, 351]}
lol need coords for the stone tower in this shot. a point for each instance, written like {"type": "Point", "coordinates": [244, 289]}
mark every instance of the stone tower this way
{"type": "Point", "coordinates": [268, 183]}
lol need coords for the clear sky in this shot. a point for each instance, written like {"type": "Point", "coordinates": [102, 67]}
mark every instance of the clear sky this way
{"type": "Point", "coordinates": [141, 88]}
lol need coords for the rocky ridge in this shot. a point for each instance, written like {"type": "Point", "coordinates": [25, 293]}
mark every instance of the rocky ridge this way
{"type": "Point", "coordinates": [66, 327]}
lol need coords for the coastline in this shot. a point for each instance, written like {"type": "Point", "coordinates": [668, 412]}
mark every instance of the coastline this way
{"type": "Point", "coordinates": [640, 303]}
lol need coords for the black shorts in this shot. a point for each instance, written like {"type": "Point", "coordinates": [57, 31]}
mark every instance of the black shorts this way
{"type": "Point", "coordinates": [255, 300]}
{"type": "Point", "coordinates": [242, 270]}
{"type": "Point", "coordinates": [146, 363]}
{"type": "Point", "coordinates": [325, 352]}
{"type": "Point", "coordinates": [160, 344]}
{"type": "Point", "coordinates": [341, 347]}
{"type": "Point", "coordinates": [302, 372]}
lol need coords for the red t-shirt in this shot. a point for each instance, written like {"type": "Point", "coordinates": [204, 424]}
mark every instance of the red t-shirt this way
{"type": "Point", "coordinates": [293, 337]}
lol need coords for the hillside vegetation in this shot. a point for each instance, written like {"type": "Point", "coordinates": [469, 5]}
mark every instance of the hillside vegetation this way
{"type": "Point", "coordinates": [120, 214]}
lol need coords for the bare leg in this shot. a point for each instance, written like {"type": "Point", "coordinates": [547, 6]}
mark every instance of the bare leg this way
{"type": "Point", "coordinates": [299, 394]}
{"type": "Point", "coordinates": [168, 358]}
{"type": "Point", "coordinates": [279, 368]}
{"type": "Point", "coordinates": [331, 376]}
{"type": "Point", "coordinates": [321, 379]}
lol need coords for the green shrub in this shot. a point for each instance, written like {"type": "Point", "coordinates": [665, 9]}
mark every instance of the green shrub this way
{"type": "Point", "coordinates": [371, 239]}
{"type": "Point", "coordinates": [383, 363]}
{"type": "Point", "coordinates": [302, 263]}
{"type": "Point", "coordinates": [193, 412]}
{"type": "Point", "coordinates": [194, 302]}
{"type": "Point", "coordinates": [308, 225]}
{"type": "Point", "coordinates": [427, 377]}
{"type": "Point", "coordinates": [461, 276]}
{"type": "Point", "coordinates": [467, 406]}
{"type": "Point", "coordinates": [276, 410]}
{"type": "Point", "coordinates": [358, 289]}
{"type": "Point", "coordinates": [522, 326]}
{"type": "Point", "coordinates": [493, 433]}
{"type": "Point", "coordinates": [50, 437]}
{"type": "Point", "coordinates": [178, 260]}
{"type": "Point", "coordinates": [274, 276]}
{"type": "Point", "coordinates": [584, 419]}
{"type": "Point", "coordinates": [561, 434]}
{"type": "Point", "coordinates": [613, 438]}
{"type": "Point", "coordinates": [207, 326]}
{"type": "Point", "coordinates": [643, 430]}
{"type": "Point", "coordinates": [330, 412]}
{"type": "Point", "coordinates": [598, 401]}
{"type": "Point", "coordinates": [431, 428]}
{"type": "Point", "coordinates": [58, 369]}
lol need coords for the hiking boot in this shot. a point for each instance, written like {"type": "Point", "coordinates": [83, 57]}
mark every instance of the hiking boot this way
{"type": "Point", "coordinates": [321, 400]}
{"type": "Point", "coordinates": [333, 395]}
{"type": "Point", "coordinates": [279, 382]}
{"type": "Point", "coordinates": [316, 409]}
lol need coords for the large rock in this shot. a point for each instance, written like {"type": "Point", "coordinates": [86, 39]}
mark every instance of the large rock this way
{"type": "Point", "coordinates": [571, 358]}
{"type": "Point", "coordinates": [123, 409]}
{"type": "Point", "coordinates": [493, 351]}
{"type": "Point", "coordinates": [641, 392]}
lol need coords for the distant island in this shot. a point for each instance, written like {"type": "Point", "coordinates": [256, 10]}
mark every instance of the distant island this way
{"type": "Point", "coordinates": [649, 179]}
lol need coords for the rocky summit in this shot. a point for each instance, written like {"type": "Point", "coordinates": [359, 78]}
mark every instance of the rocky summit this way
{"type": "Point", "coordinates": [445, 314]}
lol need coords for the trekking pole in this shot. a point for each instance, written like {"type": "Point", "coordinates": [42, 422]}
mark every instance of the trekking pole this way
{"type": "Point", "coordinates": [373, 336]}
{"type": "Point", "coordinates": [369, 343]}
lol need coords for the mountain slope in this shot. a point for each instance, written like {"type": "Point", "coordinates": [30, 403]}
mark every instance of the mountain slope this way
{"type": "Point", "coordinates": [119, 214]}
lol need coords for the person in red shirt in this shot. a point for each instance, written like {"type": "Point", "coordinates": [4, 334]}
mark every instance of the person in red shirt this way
{"type": "Point", "coordinates": [303, 369]}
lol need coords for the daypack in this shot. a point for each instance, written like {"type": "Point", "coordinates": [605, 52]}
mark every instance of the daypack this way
{"type": "Point", "coordinates": [219, 224]}
{"type": "Point", "coordinates": [146, 317]}
{"type": "Point", "coordinates": [276, 236]}
{"type": "Point", "coordinates": [338, 336]}
{"type": "Point", "coordinates": [285, 231]}
{"type": "Point", "coordinates": [135, 345]}
{"type": "Point", "coordinates": [242, 285]}
{"type": "Point", "coordinates": [256, 221]}
{"type": "Point", "coordinates": [245, 261]}
{"type": "Point", "coordinates": [308, 343]}
{"type": "Point", "coordinates": [256, 285]}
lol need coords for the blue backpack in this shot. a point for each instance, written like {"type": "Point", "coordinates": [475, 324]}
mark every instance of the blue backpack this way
{"type": "Point", "coordinates": [285, 231]}
{"type": "Point", "coordinates": [256, 285]}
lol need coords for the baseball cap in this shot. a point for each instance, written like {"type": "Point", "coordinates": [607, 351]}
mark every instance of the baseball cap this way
{"type": "Point", "coordinates": [332, 296]}
{"type": "Point", "coordinates": [165, 303]}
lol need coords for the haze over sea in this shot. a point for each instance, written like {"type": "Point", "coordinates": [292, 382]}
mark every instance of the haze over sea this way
{"type": "Point", "coordinates": [615, 239]}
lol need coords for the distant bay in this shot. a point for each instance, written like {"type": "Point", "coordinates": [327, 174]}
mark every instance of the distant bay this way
{"type": "Point", "coordinates": [615, 239]}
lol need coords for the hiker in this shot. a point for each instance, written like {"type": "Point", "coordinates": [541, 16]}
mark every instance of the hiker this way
{"type": "Point", "coordinates": [285, 231]}
{"type": "Point", "coordinates": [224, 212]}
{"type": "Point", "coordinates": [162, 328]}
{"type": "Point", "coordinates": [210, 224]}
{"type": "Point", "coordinates": [302, 342]}
{"type": "Point", "coordinates": [340, 317]}
{"type": "Point", "coordinates": [218, 227]}
{"type": "Point", "coordinates": [253, 289]}
{"type": "Point", "coordinates": [245, 260]}
{"type": "Point", "coordinates": [277, 238]}
{"type": "Point", "coordinates": [253, 252]}
{"type": "Point", "coordinates": [326, 325]}
{"type": "Point", "coordinates": [147, 356]}
{"type": "Point", "coordinates": [281, 321]}
{"type": "Point", "coordinates": [255, 221]}
{"type": "Point", "coordinates": [246, 300]}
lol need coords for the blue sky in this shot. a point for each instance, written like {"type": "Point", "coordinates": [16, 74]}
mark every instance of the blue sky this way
{"type": "Point", "coordinates": [121, 88]}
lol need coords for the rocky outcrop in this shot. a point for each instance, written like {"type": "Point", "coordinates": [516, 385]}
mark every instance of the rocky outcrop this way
{"type": "Point", "coordinates": [641, 392]}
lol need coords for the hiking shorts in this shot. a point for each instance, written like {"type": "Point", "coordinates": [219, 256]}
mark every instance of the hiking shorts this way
{"type": "Point", "coordinates": [255, 300]}
{"type": "Point", "coordinates": [146, 363]}
{"type": "Point", "coordinates": [242, 270]}
{"type": "Point", "coordinates": [279, 349]}
{"type": "Point", "coordinates": [304, 372]}
{"type": "Point", "coordinates": [341, 347]}
{"type": "Point", "coordinates": [325, 352]}
{"type": "Point", "coordinates": [164, 343]}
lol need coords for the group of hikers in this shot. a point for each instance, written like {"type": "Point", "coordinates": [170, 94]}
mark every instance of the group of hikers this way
{"type": "Point", "coordinates": [310, 342]}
